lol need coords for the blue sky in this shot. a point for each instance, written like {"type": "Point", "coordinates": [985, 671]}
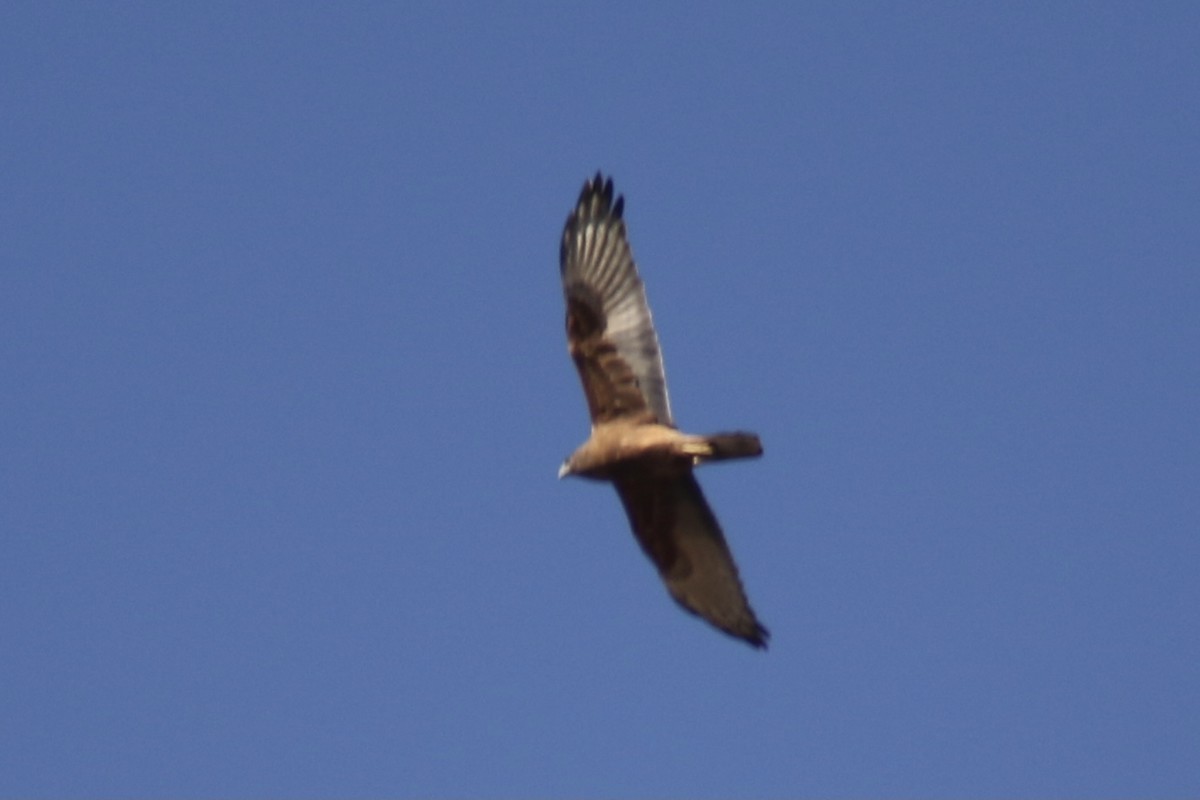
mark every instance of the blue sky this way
{"type": "Point", "coordinates": [285, 392]}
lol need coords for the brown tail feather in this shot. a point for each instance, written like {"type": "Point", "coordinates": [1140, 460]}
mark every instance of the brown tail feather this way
{"type": "Point", "coordinates": [733, 445]}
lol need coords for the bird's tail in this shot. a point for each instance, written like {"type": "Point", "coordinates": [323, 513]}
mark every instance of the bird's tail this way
{"type": "Point", "coordinates": [738, 444]}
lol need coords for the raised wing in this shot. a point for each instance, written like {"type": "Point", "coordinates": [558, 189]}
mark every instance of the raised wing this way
{"type": "Point", "coordinates": [677, 530]}
{"type": "Point", "coordinates": [610, 334]}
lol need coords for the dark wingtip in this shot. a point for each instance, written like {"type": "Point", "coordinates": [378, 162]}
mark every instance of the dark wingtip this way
{"type": "Point", "coordinates": [602, 188]}
{"type": "Point", "coordinates": [595, 203]}
{"type": "Point", "coordinates": [758, 639]}
{"type": "Point", "coordinates": [750, 631]}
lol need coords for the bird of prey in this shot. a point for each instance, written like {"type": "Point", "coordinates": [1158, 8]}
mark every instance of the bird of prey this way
{"type": "Point", "coordinates": [634, 443]}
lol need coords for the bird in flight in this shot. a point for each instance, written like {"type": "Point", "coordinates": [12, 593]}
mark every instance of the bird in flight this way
{"type": "Point", "coordinates": [634, 443]}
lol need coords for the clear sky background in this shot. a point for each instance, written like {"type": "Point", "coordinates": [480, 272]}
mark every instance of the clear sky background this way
{"type": "Point", "coordinates": [284, 389]}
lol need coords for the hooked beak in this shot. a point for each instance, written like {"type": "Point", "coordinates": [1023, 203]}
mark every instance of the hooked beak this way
{"type": "Point", "coordinates": [564, 470]}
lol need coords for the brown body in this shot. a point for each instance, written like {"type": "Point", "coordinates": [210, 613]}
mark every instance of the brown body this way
{"type": "Point", "coordinates": [634, 443]}
{"type": "Point", "coordinates": [662, 449]}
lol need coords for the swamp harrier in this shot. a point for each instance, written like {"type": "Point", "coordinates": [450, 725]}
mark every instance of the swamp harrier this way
{"type": "Point", "coordinates": [634, 442]}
